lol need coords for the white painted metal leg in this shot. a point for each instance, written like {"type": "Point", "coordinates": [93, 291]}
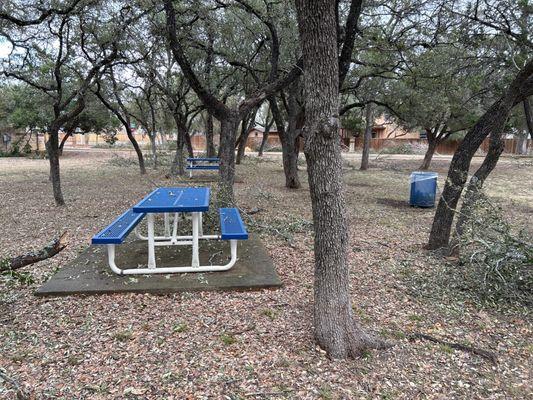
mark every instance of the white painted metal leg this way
{"type": "Point", "coordinates": [167, 224]}
{"type": "Point", "coordinates": [195, 250]}
{"type": "Point", "coordinates": [190, 170]}
{"type": "Point", "coordinates": [175, 227]}
{"type": "Point", "coordinates": [151, 241]}
{"type": "Point", "coordinates": [201, 225]}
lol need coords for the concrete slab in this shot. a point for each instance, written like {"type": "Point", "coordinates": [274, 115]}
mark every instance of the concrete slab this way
{"type": "Point", "coordinates": [90, 274]}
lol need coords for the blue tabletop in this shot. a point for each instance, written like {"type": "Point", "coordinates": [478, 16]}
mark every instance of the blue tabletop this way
{"type": "Point", "coordinates": [175, 199]}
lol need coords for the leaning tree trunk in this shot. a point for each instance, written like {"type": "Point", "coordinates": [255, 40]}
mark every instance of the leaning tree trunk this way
{"type": "Point", "coordinates": [228, 132]}
{"type": "Point", "coordinates": [67, 135]}
{"type": "Point", "coordinates": [209, 143]}
{"type": "Point", "coordinates": [490, 123]}
{"type": "Point", "coordinates": [244, 136]}
{"type": "Point", "coordinates": [136, 147]}
{"type": "Point", "coordinates": [496, 148]}
{"type": "Point", "coordinates": [432, 146]}
{"type": "Point", "coordinates": [52, 147]}
{"type": "Point", "coordinates": [336, 329]}
{"type": "Point", "coordinates": [367, 137]}
{"type": "Point", "coordinates": [264, 140]}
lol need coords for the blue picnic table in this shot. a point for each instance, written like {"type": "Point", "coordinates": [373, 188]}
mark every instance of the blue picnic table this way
{"type": "Point", "coordinates": [173, 202]}
{"type": "Point", "coordinates": [202, 163]}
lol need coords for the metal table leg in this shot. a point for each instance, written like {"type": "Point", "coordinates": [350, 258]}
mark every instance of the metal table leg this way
{"type": "Point", "coordinates": [195, 247]}
{"type": "Point", "coordinates": [151, 240]}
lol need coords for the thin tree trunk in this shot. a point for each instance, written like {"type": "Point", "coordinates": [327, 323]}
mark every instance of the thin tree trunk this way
{"type": "Point", "coordinates": [153, 149]}
{"type": "Point", "coordinates": [52, 147]}
{"type": "Point", "coordinates": [210, 146]}
{"type": "Point", "coordinates": [336, 329]}
{"type": "Point", "coordinates": [136, 147]}
{"type": "Point", "coordinates": [433, 142]}
{"type": "Point", "coordinates": [67, 135]}
{"type": "Point", "coordinates": [367, 137]}
{"type": "Point", "coordinates": [244, 136]}
{"type": "Point", "coordinates": [178, 164]}
{"type": "Point", "coordinates": [264, 140]}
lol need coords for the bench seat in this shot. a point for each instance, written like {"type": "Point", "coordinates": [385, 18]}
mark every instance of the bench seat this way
{"type": "Point", "coordinates": [204, 159]}
{"type": "Point", "coordinates": [117, 231]}
{"type": "Point", "coordinates": [231, 225]}
{"type": "Point", "coordinates": [203, 167]}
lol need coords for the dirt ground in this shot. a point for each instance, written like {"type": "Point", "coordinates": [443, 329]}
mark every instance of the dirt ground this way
{"type": "Point", "coordinates": [251, 345]}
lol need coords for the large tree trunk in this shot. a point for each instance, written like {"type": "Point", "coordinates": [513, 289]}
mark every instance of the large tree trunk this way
{"type": "Point", "coordinates": [492, 122]}
{"type": "Point", "coordinates": [52, 147]}
{"type": "Point", "coordinates": [336, 329]}
{"type": "Point", "coordinates": [433, 142]}
{"type": "Point", "coordinates": [188, 143]}
{"type": "Point", "coordinates": [209, 134]}
{"type": "Point", "coordinates": [228, 132]}
{"type": "Point", "coordinates": [367, 137]}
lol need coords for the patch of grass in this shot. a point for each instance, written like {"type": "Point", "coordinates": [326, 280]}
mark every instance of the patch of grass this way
{"type": "Point", "coordinates": [415, 318]}
{"type": "Point", "coordinates": [123, 336]}
{"type": "Point", "coordinates": [325, 393]}
{"type": "Point", "coordinates": [228, 339]}
{"type": "Point", "coordinates": [73, 360]}
{"type": "Point", "coordinates": [446, 349]}
{"type": "Point", "coordinates": [270, 313]}
{"type": "Point", "coordinates": [180, 327]}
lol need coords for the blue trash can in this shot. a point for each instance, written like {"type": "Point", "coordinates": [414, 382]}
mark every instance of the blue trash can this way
{"type": "Point", "coordinates": [423, 189]}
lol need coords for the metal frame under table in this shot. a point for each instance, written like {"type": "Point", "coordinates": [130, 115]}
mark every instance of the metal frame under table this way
{"type": "Point", "coordinates": [174, 201]}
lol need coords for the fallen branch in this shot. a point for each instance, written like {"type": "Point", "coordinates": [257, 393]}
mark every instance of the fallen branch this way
{"type": "Point", "coordinates": [32, 257]}
{"type": "Point", "coordinates": [469, 349]}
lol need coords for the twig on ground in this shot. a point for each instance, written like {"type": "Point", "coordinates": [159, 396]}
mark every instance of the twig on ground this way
{"type": "Point", "coordinates": [469, 349]}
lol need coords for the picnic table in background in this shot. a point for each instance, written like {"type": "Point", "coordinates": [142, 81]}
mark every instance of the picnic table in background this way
{"type": "Point", "coordinates": [202, 163]}
{"type": "Point", "coordinates": [172, 202]}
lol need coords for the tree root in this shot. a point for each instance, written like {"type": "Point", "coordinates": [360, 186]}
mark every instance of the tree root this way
{"type": "Point", "coordinates": [469, 349]}
{"type": "Point", "coordinates": [32, 257]}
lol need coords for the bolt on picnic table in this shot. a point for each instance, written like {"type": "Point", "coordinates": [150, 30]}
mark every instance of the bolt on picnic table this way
{"type": "Point", "coordinates": [172, 201]}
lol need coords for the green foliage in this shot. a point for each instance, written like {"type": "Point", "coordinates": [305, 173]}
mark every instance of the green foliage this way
{"type": "Point", "coordinates": [496, 262]}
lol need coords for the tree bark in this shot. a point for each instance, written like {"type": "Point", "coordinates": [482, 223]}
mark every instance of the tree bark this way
{"type": "Point", "coordinates": [490, 123]}
{"type": "Point", "coordinates": [367, 136]}
{"type": "Point", "coordinates": [52, 147]}
{"type": "Point", "coordinates": [209, 143]}
{"type": "Point", "coordinates": [244, 136]}
{"type": "Point", "coordinates": [32, 257]}
{"type": "Point", "coordinates": [228, 133]}
{"type": "Point", "coordinates": [496, 148]}
{"type": "Point", "coordinates": [153, 149]}
{"type": "Point", "coordinates": [264, 140]}
{"type": "Point", "coordinates": [433, 142]}
{"type": "Point", "coordinates": [136, 147]}
{"type": "Point", "coordinates": [336, 329]}
{"type": "Point", "coordinates": [63, 141]}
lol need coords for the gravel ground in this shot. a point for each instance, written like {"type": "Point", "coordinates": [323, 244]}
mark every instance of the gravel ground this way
{"type": "Point", "coordinates": [251, 345]}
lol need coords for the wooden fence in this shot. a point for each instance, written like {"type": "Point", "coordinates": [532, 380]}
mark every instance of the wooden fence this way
{"type": "Point", "coordinates": [512, 146]}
